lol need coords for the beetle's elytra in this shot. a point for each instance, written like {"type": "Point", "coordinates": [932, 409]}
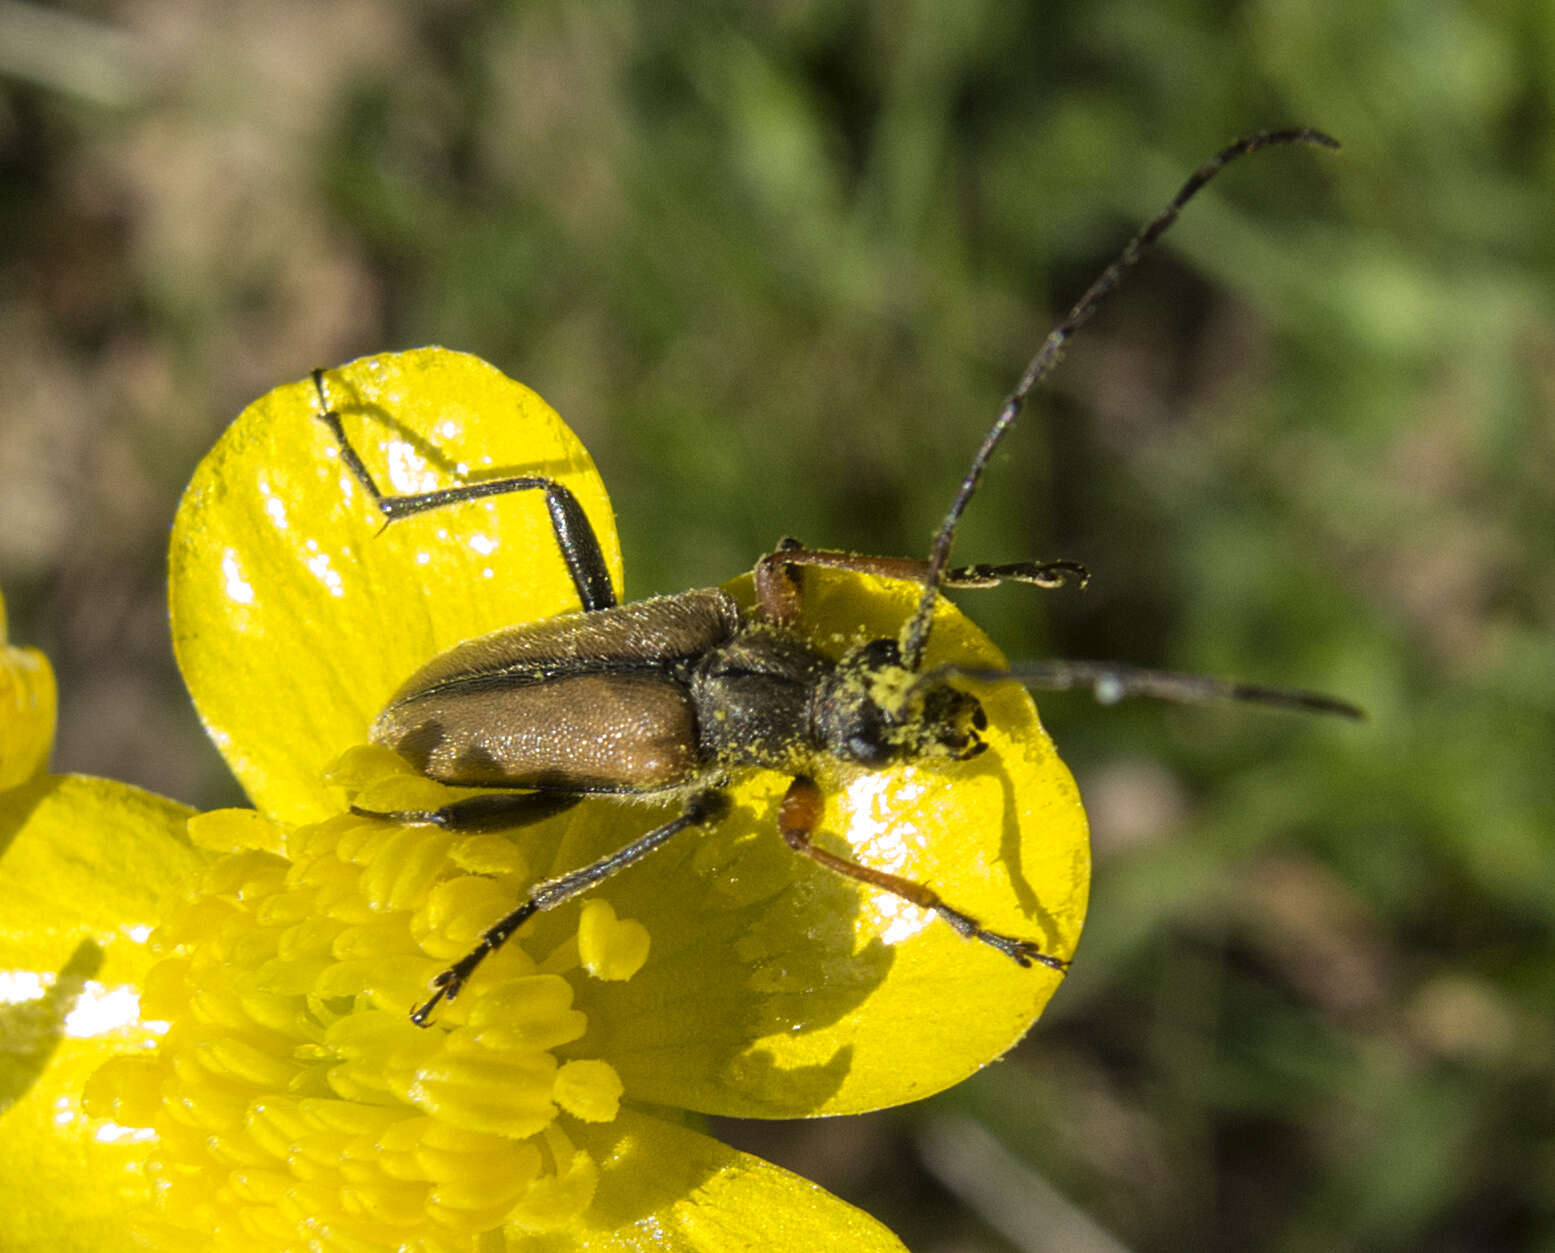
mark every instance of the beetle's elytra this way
{"type": "Point", "coordinates": [676, 696]}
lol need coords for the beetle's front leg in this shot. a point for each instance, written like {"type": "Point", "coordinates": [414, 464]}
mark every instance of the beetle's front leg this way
{"type": "Point", "coordinates": [703, 809]}
{"type": "Point", "coordinates": [574, 533]}
{"type": "Point", "coordinates": [777, 587]}
{"type": "Point", "coordinates": [800, 814]}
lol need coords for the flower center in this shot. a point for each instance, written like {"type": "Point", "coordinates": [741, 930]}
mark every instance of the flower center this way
{"type": "Point", "coordinates": [293, 1102]}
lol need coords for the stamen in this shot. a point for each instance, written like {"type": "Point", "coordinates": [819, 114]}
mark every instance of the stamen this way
{"type": "Point", "coordinates": [293, 1102]}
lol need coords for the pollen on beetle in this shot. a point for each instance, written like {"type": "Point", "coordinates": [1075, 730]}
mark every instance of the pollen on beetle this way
{"type": "Point", "coordinates": [293, 1102]}
{"type": "Point", "coordinates": [892, 687]}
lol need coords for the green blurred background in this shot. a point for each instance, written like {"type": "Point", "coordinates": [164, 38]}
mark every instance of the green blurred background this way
{"type": "Point", "coordinates": [778, 264]}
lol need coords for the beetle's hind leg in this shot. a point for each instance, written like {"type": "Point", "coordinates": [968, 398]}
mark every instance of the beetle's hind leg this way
{"type": "Point", "coordinates": [703, 809]}
{"type": "Point", "coordinates": [574, 533]}
{"type": "Point", "coordinates": [800, 814]}
{"type": "Point", "coordinates": [494, 811]}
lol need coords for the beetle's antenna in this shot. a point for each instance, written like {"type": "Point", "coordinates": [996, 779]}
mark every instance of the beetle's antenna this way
{"type": "Point", "coordinates": [1113, 681]}
{"type": "Point", "coordinates": [915, 635]}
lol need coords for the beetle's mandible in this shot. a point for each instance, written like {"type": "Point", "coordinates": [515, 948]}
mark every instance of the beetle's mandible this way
{"type": "Point", "coordinates": [677, 695]}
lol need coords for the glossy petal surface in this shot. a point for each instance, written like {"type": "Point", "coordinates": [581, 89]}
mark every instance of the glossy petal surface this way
{"type": "Point", "coordinates": [666, 1189]}
{"type": "Point", "coordinates": [83, 866]}
{"type": "Point", "coordinates": [296, 613]}
{"type": "Point", "coordinates": [776, 988]}
{"type": "Point", "coordinates": [772, 987]}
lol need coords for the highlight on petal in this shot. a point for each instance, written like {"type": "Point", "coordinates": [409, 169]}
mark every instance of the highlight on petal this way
{"type": "Point", "coordinates": [775, 988]}
{"type": "Point", "coordinates": [27, 710]}
{"type": "Point", "coordinates": [667, 1189]}
{"type": "Point", "coordinates": [83, 866]}
{"type": "Point", "coordinates": [297, 613]}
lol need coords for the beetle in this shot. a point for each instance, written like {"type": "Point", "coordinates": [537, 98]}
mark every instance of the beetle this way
{"type": "Point", "coordinates": [674, 696]}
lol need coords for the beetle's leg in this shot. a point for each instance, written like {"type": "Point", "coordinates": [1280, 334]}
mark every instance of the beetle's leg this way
{"type": "Point", "coordinates": [800, 814]}
{"type": "Point", "coordinates": [495, 811]}
{"type": "Point", "coordinates": [574, 533]}
{"type": "Point", "coordinates": [777, 584]}
{"type": "Point", "coordinates": [1037, 573]}
{"type": "Point", "coordinates": [777, 593]}
{"type": "Point", "coordinates": [703, 809]}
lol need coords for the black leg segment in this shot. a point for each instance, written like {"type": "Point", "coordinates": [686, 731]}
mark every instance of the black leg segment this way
{"type": "Point", "coordinates": [497, 811]}
{"type": "Point", "coordinates": [701, 810]}
{"type": "Point", "coordinates": [574, 534]}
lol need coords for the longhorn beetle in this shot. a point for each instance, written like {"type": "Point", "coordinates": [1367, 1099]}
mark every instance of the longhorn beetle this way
{"type": "Point", "coordinates": [676, 694]}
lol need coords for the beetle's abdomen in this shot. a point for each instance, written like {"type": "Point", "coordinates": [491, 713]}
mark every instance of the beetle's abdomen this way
{"type": "Point", "coordinates": [589, 732]}
{"type": "Point", "coordinates": [585, 702]}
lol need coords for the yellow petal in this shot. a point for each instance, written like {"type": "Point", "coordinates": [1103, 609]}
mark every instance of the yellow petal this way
{"type": "Point", "coordinates": [296, 613]}
{"type": "Point", "coordinates": [83, 863]}
{"type": "Point", "coordinates": [27, 710]}
{"type": "Point", "coordinates": [666, 1189]}
{"type": "Point", "coordinates": [86, 860]}
{"type": "Point", "coordinates": [774, 987]}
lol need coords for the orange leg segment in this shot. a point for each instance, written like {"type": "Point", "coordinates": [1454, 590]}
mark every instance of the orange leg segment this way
{"type": "Point", "coordinates": [800, 814]}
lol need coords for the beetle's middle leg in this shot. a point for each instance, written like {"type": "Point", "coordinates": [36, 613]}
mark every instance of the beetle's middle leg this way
{"type": "Point", "coordinates": [494, 811]}
{"type": "Point", "coordinates": [703, 809]}
{"type": "Point", "coordinates": [574, 533]}
{"type": "Point", "coordinates": [800, 814]}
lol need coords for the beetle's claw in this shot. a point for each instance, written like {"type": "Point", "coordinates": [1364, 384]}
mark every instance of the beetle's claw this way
{"type": "Point", "coordinates": [446, 985]}
{"type": "Point", "coordinates": [1024, 953]}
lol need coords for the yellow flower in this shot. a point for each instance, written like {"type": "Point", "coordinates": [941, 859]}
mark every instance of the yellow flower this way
{"type": "Point", "coordinates": [83, 866]}
{"type": "Point", "coordinates": [26, 710]}
{"type": "Point", "coordinates": [262, 1086]}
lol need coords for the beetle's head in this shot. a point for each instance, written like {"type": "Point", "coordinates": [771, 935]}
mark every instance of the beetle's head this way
{"type": "Point", "coordinates": [873, 710]}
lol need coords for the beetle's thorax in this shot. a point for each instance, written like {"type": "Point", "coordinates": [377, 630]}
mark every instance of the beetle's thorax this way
{"type": "Point", "coordinates": [766, 699]}
{"type": "Point", "coordinates": [754, 698]}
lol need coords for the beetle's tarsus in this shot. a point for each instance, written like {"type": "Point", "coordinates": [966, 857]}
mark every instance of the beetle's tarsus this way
{"type": "Point", "coordinates": [1043, 574]}
{"type": "Point", "coordinates": [1024, 953]}
{"type": "Point", "coordinates": [449, 983]}
{"type": "Point", "coordinates": [447, 989]}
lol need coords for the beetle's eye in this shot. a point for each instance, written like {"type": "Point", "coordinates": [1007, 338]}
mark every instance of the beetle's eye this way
{"type": "Point", "coordinates": [974, 748]}
{"type": "Point", "coordinates": [879, 654]}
